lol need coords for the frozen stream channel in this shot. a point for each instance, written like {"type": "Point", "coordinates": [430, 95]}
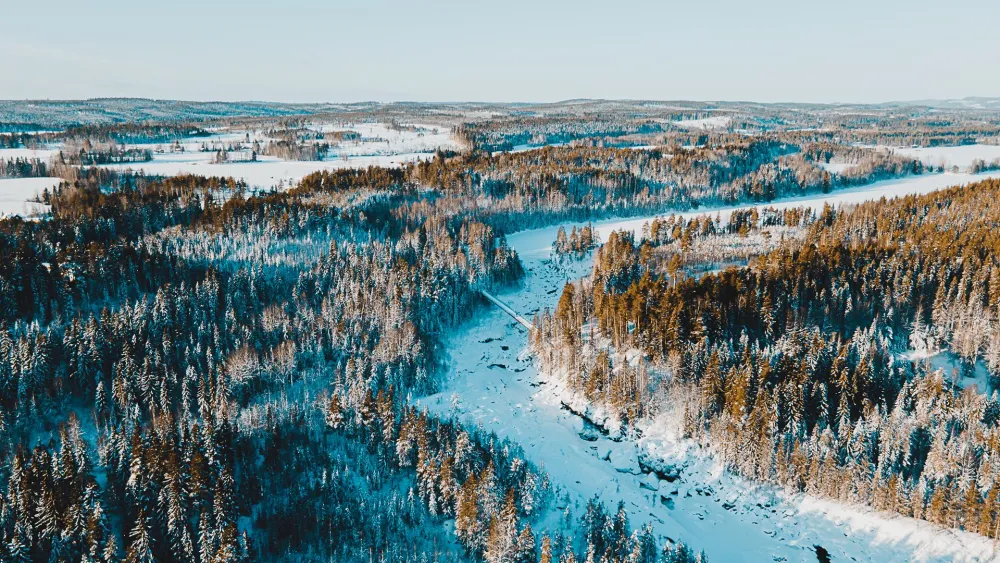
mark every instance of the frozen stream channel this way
{"type": "Point", "coordinates": [493, 383]}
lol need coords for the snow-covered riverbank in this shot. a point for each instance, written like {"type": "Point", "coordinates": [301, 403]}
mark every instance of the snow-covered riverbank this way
{"type": "Point", "coordinates": [493, 383]}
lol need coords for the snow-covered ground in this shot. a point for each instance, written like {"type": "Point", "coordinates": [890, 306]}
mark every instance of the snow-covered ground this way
{"type": "Point", "coordinates": [41, 154]}
{"type": "Point", "coordinates": [265, 173]}
{"type": "Point", "coordinates": [494, 384]}
{"type": "Point", "coordinates": [951, 366]}
{"type": "Point", "coordinates": [15, 194]}
{"type": "Point", "coordinates": [836, 167]}
{"type": "Point", "coordinates": [961, 156]}
{"type": "Point", "coordinates": [379, 145]}
{"type": "Point", "coordinates": [379, 139]}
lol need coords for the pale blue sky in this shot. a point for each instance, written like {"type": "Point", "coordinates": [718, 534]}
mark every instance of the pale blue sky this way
{"type": "Point", "coordinates": [517, 50]}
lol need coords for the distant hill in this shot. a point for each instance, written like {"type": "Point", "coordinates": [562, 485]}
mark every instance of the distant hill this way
{"type": "Point", "coordinates": [35, 115]}
{"type": "Point", "coordinates": [57, 114]}
{"type": "Point", "coordinates": [971, 102]}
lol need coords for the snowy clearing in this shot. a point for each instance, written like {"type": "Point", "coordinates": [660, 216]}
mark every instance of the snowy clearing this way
{"type": "Point", "coordinates": [704, 503]}
{"type": "Point", "coordinates": [380, 139]}
{"type": "Point", "coordinates": [961, 156]}
{"type": "Point", "coordinates": [951, 368]}
{"type": "Point", "coordinates": [836, 167]}
{"type": "Point", "coordinates": [41, 154]}
{"type": "Point", "coordinates": [265, 173]}
{"type": "Point", "coordinates": [377, 145]}
{"type": "Point", "coordinates": [15, 194]}
{"type": "Point", "coordinates": [706, 123]}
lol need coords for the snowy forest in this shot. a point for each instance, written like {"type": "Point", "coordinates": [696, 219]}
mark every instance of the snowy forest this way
{"type": "Point", "coordinates": [198, 365]}
{"type": "Point", "coordinates": [803, 367]}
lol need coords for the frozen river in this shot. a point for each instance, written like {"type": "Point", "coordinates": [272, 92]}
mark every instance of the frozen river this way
{"type": "Point", "coordinates": [493, 383]}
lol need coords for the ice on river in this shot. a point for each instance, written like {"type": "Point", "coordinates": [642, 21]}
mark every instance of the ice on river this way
{"type": "Point", "coordinates": [706, 507]}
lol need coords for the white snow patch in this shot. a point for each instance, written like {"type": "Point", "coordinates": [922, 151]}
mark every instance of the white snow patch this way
{"type": "Point", "coordinates": [951, 366]}
{"type": "Point", "coordinates": [16, 193]}
{"type": "Point", "coordinates": [265, 173]}
{"type": "Point", "coordinates": [378, 145]}
{"type": "Point", "coordinates": [836, 167]}
{"type": "Point", "coordinates": [378, 139]}
{"type": "Point", "coordinates": [960, 156]}
{"type": "Point", "coordinates": [41, 154]}
{"type": "Point", "coordinates": [706, 123]}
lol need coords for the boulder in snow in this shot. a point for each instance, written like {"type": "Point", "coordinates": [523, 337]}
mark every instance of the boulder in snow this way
{"type": "Point", "coordinates": [625, 460]}
{"type": "Point", "coordinates": [650, 482]}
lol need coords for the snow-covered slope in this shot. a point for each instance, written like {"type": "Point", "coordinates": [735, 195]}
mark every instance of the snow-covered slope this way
{"type": "Point", "coordinates": [16, 193]}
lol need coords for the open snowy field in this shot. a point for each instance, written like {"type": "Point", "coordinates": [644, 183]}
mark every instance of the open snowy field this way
{"type": "Point", "coordinates": [706, 123]}
{"type": "Point", "coordinates": [961, 156]}
{"type": "Point", "coordinates": [494, 384]}
{"type": "Point", "coordinates": [373, 139]}
{"type": "Point", "coordinates": [378, 145]}
{"type": "Point", "coordinates": [41, 154]}
{"type": "Point", "coordinates": [15, 194]}
{"type": "Point", "coordinates": [265, 173]}
{"type": "Point", "coordinates": [836, 167]}
{"type": "Point", "coordinates": [380, 139]}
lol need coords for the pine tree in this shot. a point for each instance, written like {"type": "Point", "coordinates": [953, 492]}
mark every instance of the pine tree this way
{"type": "Point", "coordinates": [335, 413]}
{"type": "Point", "coordinates": [467, 514]}
{"type": "Point", "coordinates": [206, 537]}
{"type": "Point", "coordinates": [46, 516]}
{"type": "Point", "coordinates": [18, 548]}
{"type": "Point", "coordinates": [546, 553]}
{"type": "Point", "coordinates": [524, 550]}
{"type": "Point", "coordinates": [140, 549]}
{"type": "Point", "coordinates": [502, 540]}
{"type": "Point", "coordinates": [110, 553]}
